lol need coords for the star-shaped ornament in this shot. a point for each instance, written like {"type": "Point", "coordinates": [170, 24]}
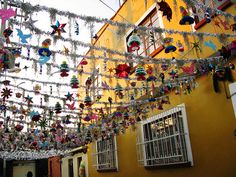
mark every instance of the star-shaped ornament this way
{"type": "Point", "coordinates": [29, 99]}
{"type": "Point", "coordinates": [58, 28]}
{"type": "Point", "coordinates": [69, 96]}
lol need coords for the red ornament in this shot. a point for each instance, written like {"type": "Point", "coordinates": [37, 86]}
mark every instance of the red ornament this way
{"type": "Point", "coordinates": [123, 70]}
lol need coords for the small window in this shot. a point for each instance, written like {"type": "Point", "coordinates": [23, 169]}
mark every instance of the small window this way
{"type": "Point", "coordinates": [106, 154]}
{"type": "Point", "coordinates": [200, 13]}
{"type": "Point", "coordinates": [151, 40]}
{"type": "Point", "coordinates": [164, 140]}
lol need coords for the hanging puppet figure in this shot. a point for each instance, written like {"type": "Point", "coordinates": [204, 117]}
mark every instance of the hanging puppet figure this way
{"type": "Point", "coordinates": [44, 52]}
{"type": "Point", "coordinates": [186, 19]}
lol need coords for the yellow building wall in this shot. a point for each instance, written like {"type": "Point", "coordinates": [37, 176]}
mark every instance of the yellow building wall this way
{"type": "Point", "coordinates": [210, 115]}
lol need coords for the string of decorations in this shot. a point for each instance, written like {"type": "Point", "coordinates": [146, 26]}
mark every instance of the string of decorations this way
{"type": "Point", "coordinates": [31, 155]}
{"type": "Point", "coordinates": [28, 9]}
{"type": "Point", "coordinates": [201, 5]}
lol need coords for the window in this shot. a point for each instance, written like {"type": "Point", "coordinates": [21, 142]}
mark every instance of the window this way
{"type": "Point", "coordinates": [199, 13]}
{"type": "Point", "coordinates": [106, 154]}
{"type": "Point", "coordinates": [164, 139]}
{"type": "Point", "coordinates": [151, 41]}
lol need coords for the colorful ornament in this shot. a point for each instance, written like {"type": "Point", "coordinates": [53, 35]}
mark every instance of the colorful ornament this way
{"type": "Point", "coordinates": [69, 96]}
{"type": "Point", "coordinates": [186, 19]}
{"type": "Point", "coordinates": [168, 45]}
{"type": "Point", "coordinates": [37, 89]}
{"type": "Point", "coordinates": [34, 115]}
{"type": "Point", "coordinates": [140, 72]}
{"type": "Point", "coordinates": [74, 82]}
{"type": "Point", "coordinates": [134, 42]}
{"type": "Point", "coordinates": [118, 91]}
{"type": "Point", "coordinates": [58, 28]}
{"type": "Point", "coordinates": [58, 108]}
{"type": "Point", "coordinates": [44, 52]}
{"type": "Point", "coordinates": [6, 14]}
{"type": "Point", "coordinates": [180, 45]}
{"type": "Point", "coordinates": [22, 36]}
{"type": "Point", "coordinates": [165, 8]}
{"type": "Point", "coordinates": [207, 16]}
{"type": "Point", "coordinates": [6, 93]}
{"type": "Point", "coordinates": [122, 70]}
{"type": "Point", "coordinates": [71, 106]}
{"type": "Point", "coordinates": [28, 99]}
{"type": "Point", "coordinates": [64, 69]}
{"type": "Point", "coordinates": [76, 28]}
{"type": "Point", "coordinates": [7, 33]}
{"type": "Point", "coordinates": [19, 127]}
{"type": "Point", "coordinates": [88, 101]}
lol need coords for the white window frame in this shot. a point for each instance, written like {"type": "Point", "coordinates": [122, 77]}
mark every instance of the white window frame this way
{"type": "Point", "coordinates": [160, 21]}
{"type": "Point", "coordinates": [163, 140]}
{"type": "Point", "coordinates": [96, 83]}
{"type": "Point", "coordinates": [108, 150]}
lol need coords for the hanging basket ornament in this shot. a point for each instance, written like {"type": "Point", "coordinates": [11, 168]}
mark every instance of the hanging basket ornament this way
{"type": "Point", "coordinates": [186, 19]}
{"type": "Point", "coordinates": [140, 73]}
{"type": "Point", "coordinates": [74, 82]}
{"type": "Point", "coordinates": [64, 69]}
{"type": "Point", "coordinates": [134, 42]}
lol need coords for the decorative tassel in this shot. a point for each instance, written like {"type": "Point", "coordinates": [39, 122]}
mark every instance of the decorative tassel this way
{"type": "Point", "coordinates": [28, 53]}
{"type": "Point", "coordinates": [50, 89]}
{"type": "Point", "coordinates": [41, 69]}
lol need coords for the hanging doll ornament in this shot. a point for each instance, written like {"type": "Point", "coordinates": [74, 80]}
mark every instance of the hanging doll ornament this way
{"type": "Point", "coordinates": [123, 70]}
{"type": "Point", "coordinates": [186, 19]}
{"type": "Point", "coordinates": [74, 82]}
{"type": "Point", "coordinates": [58, 28]}
{"type": "Point", "coordinates": [44, 52]}
{"type": "Point", "coordinates": [140, 73]}
{"type": "Point", "coordinates": [180, 46]}
{"type": "Point", "coordinates": [37, 89]}
{"type": "Point", "coordinates": [168, 45]}
{"type": "Point", "coordinates": [134, 42]}
{"type": "Point", "coordinates": [7, 33]}
{"type": "Point", "coordinates": [118, 91]}
{"type": "Point", "coordinates": [64, 69]}
{"type": "Point", "coordinates": [88, 101]}
{"type": "Point", "coordinates": [35, 116]}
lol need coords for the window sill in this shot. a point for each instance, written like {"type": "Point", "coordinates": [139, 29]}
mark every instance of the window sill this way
{"type": "Point", "coordinates": [158, 50]}
{"type": "Point", "coordinates": [203, 21]}
{"type": "Point", "coordinates": [181, 165]}
{"type": "Point", "coordinates": [107, 170]}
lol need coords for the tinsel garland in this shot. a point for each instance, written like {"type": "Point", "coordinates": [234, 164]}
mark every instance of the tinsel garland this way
{"type": "Point", "coordinates": [31, 155]}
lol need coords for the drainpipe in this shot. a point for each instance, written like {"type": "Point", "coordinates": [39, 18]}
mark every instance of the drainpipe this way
{"type": "Point", "coordinates": [4, 167]}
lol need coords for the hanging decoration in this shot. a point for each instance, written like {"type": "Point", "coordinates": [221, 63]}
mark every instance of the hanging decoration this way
{"type": "Point", "coordinates": [64, 69]}
{"type": "Point", "coordinates": [23, 37]}
{"type": "Point", "coordinates": [69, 96]}
{"type": "Point", "coordinates": [5, 14]}
{"type": "Point", "coordinates": [186, 19]}
{"type": "Point", "coordinates": [76, 28]}
{"type": "Point", "coordinates": [6, 93]}
{"type": "Point", "coordinates": [207, 15]}
{"type": "Point", "coordinates": [165, 8]}
{"type": "Point", "coordinates": [58, 28]}
{"type": "Point", "coordinates": [122, 70]}
{"type": "Point", "coordinates": [118, 91]}
{"type": "Point", "coordinates": [134, 42]}
{"type": "Point", "coordinates": [140, 72]}
{"type": "Point", "coordinates": [7, 33]}
{"type": "Point", "coordinates": [74, 82]}
{"type": "Point", "coordinates": [58, 108]}
{"type": "Point", "coordinates": [168, 45]}
{"type": "Point", "coordinates": [35, 116]}
{"type": "Point", "coordinates": [44, 52]}
{"type": "Point", "coordinates": [88, 101]}
{"type": "Point", "coordinates": [71, 106]}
